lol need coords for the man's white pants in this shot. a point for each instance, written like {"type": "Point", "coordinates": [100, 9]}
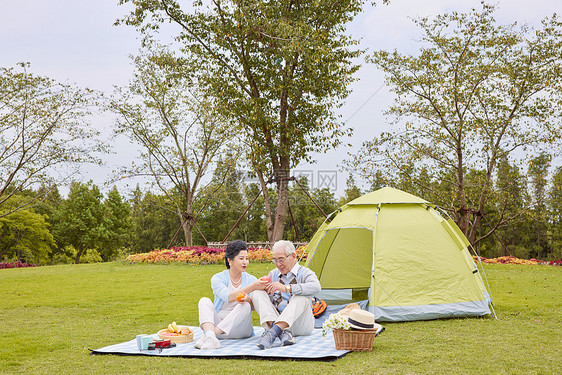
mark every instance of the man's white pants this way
{"type": "Point", "coordinates": [297, 314]}
{"type": "Point", "coordinates": [235, 323]}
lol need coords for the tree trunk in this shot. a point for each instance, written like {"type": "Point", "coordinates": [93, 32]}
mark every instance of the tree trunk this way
{"type": "Point", "coordinates": [464, 220]}
{"type": "Point", "coordinates": [281, 178]}
{"type": "Point", "coordinates": [79, 254]}
{"type": "Point", "coordinates": [186, 217]}
{"type": "Point", "coordinates": [267, 205]}
{"type": "Point", "coordinates": [464, 215]}
{"type": "Point", "coordinates": [188, 232]}
{"type": "Point", "coordinates": [464, 212]}
{"type": "Point", "coordinates": [475, 225]}
{"type": "Point", "coordinates": [539, 222]}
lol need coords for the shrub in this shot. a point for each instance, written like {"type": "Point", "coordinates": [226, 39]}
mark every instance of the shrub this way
{"type": "Point", "coordinates": [16, 265]}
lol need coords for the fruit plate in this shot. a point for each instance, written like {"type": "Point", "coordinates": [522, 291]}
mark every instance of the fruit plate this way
{"type": "Point", "coordinates": [177, 339]}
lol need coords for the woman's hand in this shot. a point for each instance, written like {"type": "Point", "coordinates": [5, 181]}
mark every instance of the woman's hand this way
{"type": "Point", "coordinates": [260, 284]}
{"type": "Point", "coordinates": [243, 297]}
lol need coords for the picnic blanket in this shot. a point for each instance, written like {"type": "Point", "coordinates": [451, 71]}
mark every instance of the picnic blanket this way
{"type": "Point", "coordinates": [312, 347]}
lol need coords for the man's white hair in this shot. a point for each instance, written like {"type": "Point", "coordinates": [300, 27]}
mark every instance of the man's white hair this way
{"type": "Point", "coordinates": [285, 245]}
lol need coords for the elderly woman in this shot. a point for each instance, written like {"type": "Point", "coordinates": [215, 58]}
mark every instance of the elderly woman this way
{"type": "Point", "coordinates": [228, 317]}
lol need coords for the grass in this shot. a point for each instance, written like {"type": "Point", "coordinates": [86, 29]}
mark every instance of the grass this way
{"type": "Point", "coordinates": [50, 317]}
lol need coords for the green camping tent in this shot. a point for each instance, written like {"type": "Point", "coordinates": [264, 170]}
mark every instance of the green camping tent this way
{"type": "Point", "coordinates": [397, 254]}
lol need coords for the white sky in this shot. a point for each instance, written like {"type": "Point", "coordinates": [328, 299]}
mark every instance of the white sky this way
{"type": "Point", "coordinates": [75, 41]}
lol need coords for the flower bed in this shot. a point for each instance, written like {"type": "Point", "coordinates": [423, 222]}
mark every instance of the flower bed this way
{"type": "Point", "coordinates": [201, 255]}
{"type": "Point", "coordinates": [509, 259]}
{"type": "Point", "coordinates": [16, 265]}
{"type": "Point", "coordinates": [211, 255]}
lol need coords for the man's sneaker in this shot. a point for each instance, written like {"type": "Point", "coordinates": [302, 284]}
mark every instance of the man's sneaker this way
{"type": "Point", "coordinates": [201, 341]}
{"type": "Point", "coordinates": [267, 339]}
{"type": "Point", "coordinates": [211, 343]}
{"type": "Point", "coordinates": [379, 330]}
{"type": "Point", "coordinates": [287, 338]}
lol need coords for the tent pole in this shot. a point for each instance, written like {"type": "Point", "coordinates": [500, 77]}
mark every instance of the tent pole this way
{"type": "Point", "coordinates": [372, 293]}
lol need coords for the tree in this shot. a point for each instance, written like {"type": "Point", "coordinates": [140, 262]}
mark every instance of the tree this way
{"type": "Point", "coordinates": [476, 92]}
{"type": "Point", "coordinates": [43, 128]}
{"type": "Point", "coordinates": [276, 69]}
{"type": "Point", "coordinates": [306, 215]}
{"type": "Point", "coordinates": [221, 204]}
{"type": "Point", "coordinates": [117, 224]}
{"type": "Point", "coordinates": [80, 221]}
{"type": "Point", "coordinates": [180, 135]}
{"type": "Point", "coordinates": [302, 213]}
{"type": "Point", "coordinates": [25, 236]}
{"type": "Point", "coordinates": [555, 214]}
{"type": "Point", "coordinates": [153, 219]}
{"type": "Point", "coordinates": [50, 203]}
{"type": "Point", "coordinates": [509, 199]}
{"type": "Point", "coordinates": [351, 191]}
{"type": "Point", "coordinates": [253, 225]}
{"type": "Point", "coordinates": [538, 173]}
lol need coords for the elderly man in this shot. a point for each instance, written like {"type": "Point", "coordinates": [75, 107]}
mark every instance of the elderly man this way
{"type": "Point", "coordinates": [285, 308]}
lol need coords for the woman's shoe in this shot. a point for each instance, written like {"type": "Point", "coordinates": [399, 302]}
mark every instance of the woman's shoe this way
{"type": "Point", "coordinates": [200, 342]}
{"type": "Point", "coordinates": [211, 343]}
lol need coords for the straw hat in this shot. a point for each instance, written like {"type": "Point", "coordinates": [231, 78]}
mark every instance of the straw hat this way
{"type": "Point", "coordinates": [361, 319]}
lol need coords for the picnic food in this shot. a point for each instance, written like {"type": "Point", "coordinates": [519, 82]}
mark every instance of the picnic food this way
{"type": "Point", "coordinates": [266, 278]}
{"type": "Point", "coordinates": [172, 328]}
{"type": "Point", "coordinates": [241, 296]}
{"type": "Point", "coordinates": [177, 334]}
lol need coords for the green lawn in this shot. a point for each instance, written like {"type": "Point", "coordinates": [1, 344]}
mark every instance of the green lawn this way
{"type": "Point", "coordinates": [50, 316]}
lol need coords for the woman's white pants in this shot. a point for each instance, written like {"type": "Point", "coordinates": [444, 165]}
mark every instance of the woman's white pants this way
{"type": "Point", "coordinates": [235, 323]}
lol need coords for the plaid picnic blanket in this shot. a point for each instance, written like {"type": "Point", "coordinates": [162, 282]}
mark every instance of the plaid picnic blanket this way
{"type": "Point", "coordinates": [312, 347]}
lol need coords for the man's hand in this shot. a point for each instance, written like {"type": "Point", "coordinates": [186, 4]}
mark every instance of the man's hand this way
{"type": "Point", "coordinates": [275, 287]}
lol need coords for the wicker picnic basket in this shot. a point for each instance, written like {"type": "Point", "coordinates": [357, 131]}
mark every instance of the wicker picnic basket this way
{"type": "Point", "coordinates": [355, 340]}
{"type": "Point", "coordinates": [180, 339]}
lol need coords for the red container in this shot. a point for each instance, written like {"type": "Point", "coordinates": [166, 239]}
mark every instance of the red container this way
{"type": "Point", "coordinates": [162, 343]}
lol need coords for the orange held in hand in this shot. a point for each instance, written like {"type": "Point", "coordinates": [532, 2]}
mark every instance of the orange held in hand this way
{"type": "Point", "coordinates": [266, 278]}
{"type": "Point", "coordinates": [241, 296]}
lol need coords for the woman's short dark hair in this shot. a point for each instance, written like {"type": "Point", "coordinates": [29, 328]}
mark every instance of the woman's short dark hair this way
{"type": "Point", "coordinates": [232, 249]}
